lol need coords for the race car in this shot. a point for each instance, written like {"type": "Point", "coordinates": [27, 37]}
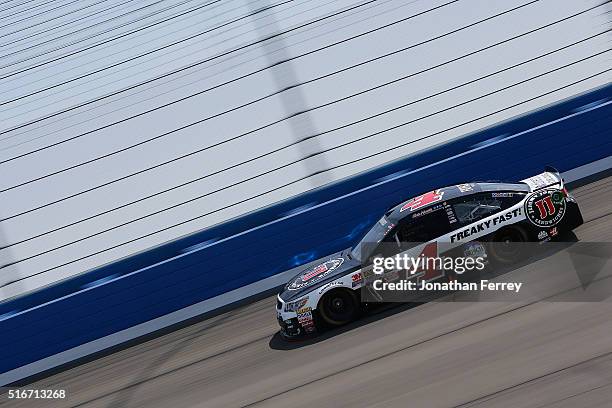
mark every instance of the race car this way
{"type": "Point", "coordinates": [456, 218]}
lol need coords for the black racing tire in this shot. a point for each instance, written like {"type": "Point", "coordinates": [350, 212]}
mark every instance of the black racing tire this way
{"type": "Point", "coordinates": [506, 245]}
{"type": "Point", "coordinates": [338, 307]}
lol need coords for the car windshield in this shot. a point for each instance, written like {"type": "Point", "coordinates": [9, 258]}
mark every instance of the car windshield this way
{"type": "Point", "coordinates": [374, 235]}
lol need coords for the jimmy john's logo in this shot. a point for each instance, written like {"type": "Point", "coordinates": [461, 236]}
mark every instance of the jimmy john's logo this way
{"type": "Point", "coordinates": [482, 228]}
{"type": "Point", "coordinates": [545, 208]}
{"type": "Point", "coordinates": [315, 274]}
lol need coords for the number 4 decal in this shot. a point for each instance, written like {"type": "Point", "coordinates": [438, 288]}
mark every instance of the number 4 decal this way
{"type": "Point", "coordinates": [423, 200]}
{"type": "Point", "coordinates": [427, 271]}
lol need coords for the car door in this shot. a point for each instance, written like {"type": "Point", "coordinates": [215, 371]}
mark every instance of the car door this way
{"type": "Point", "coordinates": [423, 228]}
{"type": "Point", "coordinates": [418, 237]}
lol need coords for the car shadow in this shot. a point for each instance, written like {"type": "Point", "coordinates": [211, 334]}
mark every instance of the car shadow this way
{"type": "Point", "coordinates": [373, 313]}
{"type": "Point", "coordinates": [376, 312]}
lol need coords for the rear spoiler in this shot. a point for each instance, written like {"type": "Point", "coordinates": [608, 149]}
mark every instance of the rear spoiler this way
{"type": "Point", "coordinates": [550, 178]}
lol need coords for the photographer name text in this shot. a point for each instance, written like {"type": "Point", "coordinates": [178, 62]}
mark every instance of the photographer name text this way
{"type": "Point", "coordinates": [410, 285]}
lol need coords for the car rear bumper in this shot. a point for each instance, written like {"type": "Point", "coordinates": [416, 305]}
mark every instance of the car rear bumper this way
{"type": "Point", "coordinates": [573, 218]}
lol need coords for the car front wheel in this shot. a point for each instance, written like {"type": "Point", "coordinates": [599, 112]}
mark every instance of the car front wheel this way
{"type": "Point", "coordinates": [339, 306]}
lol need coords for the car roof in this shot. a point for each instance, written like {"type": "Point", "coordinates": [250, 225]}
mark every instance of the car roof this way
{"type": "Point", "coordinates": [396, 213]}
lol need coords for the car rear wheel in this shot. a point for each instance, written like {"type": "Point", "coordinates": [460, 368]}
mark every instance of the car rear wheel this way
{"type": "Point", "coordinates": [507, 245]}
{"type": "Point", "coordinates": [338, 307]}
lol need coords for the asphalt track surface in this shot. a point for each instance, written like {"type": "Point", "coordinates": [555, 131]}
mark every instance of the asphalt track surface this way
{"type": "Point", "coordinates": [547, 353]}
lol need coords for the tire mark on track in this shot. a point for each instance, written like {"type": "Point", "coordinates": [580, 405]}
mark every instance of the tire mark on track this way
{"type": "Point", "coordinates": [599, 217]}
{"type": "Point", "coordinates": [574, 395]}
{"type": "Point", "coordinates": [172, 371]}
{"type": "Point", "coordinates": [229, 317]}
{"type": "Point", "coordinates": [492, 395]}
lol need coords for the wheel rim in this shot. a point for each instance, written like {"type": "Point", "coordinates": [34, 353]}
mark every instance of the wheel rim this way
{"type": "Point", "coordinates": [505, 247]}
{"type": "Point", "coordinates": [338, 307]}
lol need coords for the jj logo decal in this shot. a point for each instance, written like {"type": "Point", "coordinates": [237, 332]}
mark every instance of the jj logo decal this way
{"type": "Point", "coordinates": [545, 208]}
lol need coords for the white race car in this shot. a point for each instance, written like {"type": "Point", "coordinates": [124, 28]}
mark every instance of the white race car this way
{"type": "Point", "coordinates": [538, 208]}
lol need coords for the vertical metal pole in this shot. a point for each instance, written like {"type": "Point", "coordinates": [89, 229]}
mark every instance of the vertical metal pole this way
{"type": "Point", "coordinates": [5, 259]}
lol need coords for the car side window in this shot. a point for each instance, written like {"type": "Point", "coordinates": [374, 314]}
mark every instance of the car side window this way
{"type": "Point", "coordinates": [424, 228]}
{"type": "Point", "coordinates": [389, 245]}
{"type": "Point", "coordinates": [477, 206]}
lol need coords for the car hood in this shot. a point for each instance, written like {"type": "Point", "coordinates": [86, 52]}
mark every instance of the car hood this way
{"type": "Point", "coordinates": [320, 272]}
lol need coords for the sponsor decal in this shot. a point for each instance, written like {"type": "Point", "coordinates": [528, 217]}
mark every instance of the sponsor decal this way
{"type": "Point", "coordinates": [304, 317]}
{"type": "Point", "coordinates": [294, 306]}
{"type": "Point", "coordinates": [541, 180]}
{"type": "Point", "coordinates": [554, 232]}
{"type": "Point", "coordinates": [542, 235]}
{"type": "Point", "coordinates": [357, 277]}
{"type": "Point", "coordinates": [316, 271]}
{"type": "Point", "coordinates": [502, 195]}
{"type": "Point", "coordinates": [422, 212]}
{"type": "Point", "coordinates": [558, 197]}
{"type": "Point", "coordinates": [422, 200]}
{"type": "Point", "coordinates": [391, 276]}
{"type": "Point", "coordinates": [545, 208]}
{"type": "Point", "coordinates": [482, 228]}
{"type": "Point", "coordinates": [465, 188]}
{"type": "Point", "coordinates": [315, 274]}
{"type": "Point", "coordinates": [450, 214]}
{"type": "Point", "coordinates": [474, 250]}
{"type": "Point", "coordinates": [368, 276]}
{"type": "Point", "coordinates": [329, 285]}
{"type": "Point", "coordinates": [427, 211]}
{"type": "Point", "coordinates": [307, 320]}
{"type": "Point", "coordinates": [367, 273]}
